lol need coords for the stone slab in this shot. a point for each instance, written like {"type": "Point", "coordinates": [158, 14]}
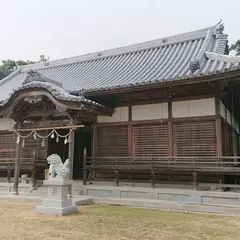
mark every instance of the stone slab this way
{"type": "Point", "coordinates": [57, 182]}
{"type": "Point", "coordinates": [171, 195]}
{"type": "Point", "coordinates": [167, 205]}
{"type": "Point", "coordinates": [57, 211]}
{"type": "Point", "coordinates": [57, 203]}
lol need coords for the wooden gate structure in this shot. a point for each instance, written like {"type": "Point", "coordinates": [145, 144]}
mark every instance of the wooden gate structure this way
{"type": "Point", "coordinates": [40, 105]}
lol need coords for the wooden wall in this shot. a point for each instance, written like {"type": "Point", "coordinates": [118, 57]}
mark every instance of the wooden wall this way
{"type": "Point", "coordinates": [181, 128]}
{"type": "Point", "coordinates": [174, 128]}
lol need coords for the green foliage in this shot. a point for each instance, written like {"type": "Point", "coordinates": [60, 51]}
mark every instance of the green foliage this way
{"type": "Point", "coordinates": [9, 65]}
{"type": "Point", "coordinates": [236, 47]}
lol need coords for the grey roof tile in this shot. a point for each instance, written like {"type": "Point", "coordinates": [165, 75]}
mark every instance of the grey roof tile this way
{"type": "Point", "coordinates": [28, 80]}
{"type": "Point", "coordinates": [182, 56]}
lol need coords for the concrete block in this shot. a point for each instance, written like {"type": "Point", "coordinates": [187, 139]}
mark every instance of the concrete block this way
{"type": "Point", "coordinates": [57, 203]}
{"type": "Point", "coordinates": [57, 211]}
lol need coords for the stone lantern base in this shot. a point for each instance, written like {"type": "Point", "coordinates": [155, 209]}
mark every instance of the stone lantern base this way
{"type": "Point", "coordinates": [57, 201]}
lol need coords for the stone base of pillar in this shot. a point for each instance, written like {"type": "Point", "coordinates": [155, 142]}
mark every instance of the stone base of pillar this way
{"type": "Point", "coordinates": [57, 201]}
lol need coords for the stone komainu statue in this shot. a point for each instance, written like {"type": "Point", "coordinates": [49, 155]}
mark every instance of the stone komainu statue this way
{"type": "Point", "coordinates": [57, 169]}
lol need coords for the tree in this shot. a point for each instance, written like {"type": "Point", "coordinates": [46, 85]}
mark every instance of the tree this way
{"type": "Point", "coordinates": [9, 65]}
{"type": "Point", "coordinates": [236, 47]}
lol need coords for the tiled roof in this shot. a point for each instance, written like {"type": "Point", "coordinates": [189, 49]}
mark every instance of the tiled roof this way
{"type": "Point", "coordinates": [34, 79]}
{"type": "Point", "coordinates": [182, 56]}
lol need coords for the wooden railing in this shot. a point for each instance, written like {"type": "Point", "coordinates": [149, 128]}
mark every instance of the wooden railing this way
{"type": "Point", "coordinates": [194, 165]}
{"type": "Point", "coordinates": [28, 164]}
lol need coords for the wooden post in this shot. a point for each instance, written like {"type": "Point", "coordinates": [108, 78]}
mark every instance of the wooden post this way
{"type": "Point", "coordinates": [153, 175]}
{"type": "Point", "coordinates": [17, 164]}
{"type": "Point", "coordinates": [170, 133]}
{"type": "Point", "coordinates": [116, 178]}
{"type": "Point", "coordinates": [116, 173]}
{"type": "Point", "coordinates": [130, 141]}
{"type": "Point", "coordinates": [170, 128]}
{"type": "Point", "coordinates": [70, 158]}
{"type": "Point", "coordinates": [218, 128]}
{"type": "Point", "coordinates": [94, 148]}
{"type": "Point", "coordinates": [33, 173]}
{"type": "Point", "coordinates": [9, 174]}
{"type": "Point", "coordinates": [85, 166]}
{"type": "Point", "coordinates": [130, 153]}
{"type": "Point", "coordinates": [195, 185]}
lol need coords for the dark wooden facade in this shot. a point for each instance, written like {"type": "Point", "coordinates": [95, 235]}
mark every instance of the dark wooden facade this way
{"type": "Point", "coordinates": [201, 139]}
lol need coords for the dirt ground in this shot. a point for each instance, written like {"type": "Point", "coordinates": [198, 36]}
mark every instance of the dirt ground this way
{"type": "Point", "coordinates": [19, 221]}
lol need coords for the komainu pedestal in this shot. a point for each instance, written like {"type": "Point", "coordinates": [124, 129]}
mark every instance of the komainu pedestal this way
{"type": "Point", "coordinates": [57, 201]}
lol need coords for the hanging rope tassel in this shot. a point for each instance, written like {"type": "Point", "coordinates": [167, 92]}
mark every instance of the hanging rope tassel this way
{"type": "Point", "coordinates": [57, 139]}
{"type": "Point", "coordinates": [18, 139]}
{"type": "Point", "coordinates": [70, 138]}
{"type": "Point", "coordinates": [65, 141]}
{"type": "Point", "coordinates": [23, 143]}
{"type": "Point", "coordinates": [52, 135]}
{"type": "Point", "coordinates": [43, 143]}
{"type": "Point", "coordinates": [35, 136]}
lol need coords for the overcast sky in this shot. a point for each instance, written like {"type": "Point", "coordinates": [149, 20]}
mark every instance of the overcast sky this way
{"type": "Point", "coordinates": [64, 28]}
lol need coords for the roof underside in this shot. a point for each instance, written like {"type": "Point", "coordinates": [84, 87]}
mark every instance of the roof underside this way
{"type": "Point", "coordinates": [183, 56]}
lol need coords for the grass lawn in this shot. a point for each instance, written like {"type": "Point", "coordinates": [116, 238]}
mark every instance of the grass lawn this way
{"type": "Point", "coordinates": [19, 221]}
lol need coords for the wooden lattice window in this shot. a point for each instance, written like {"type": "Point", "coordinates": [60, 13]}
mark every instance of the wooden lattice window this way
{"type": "Point", "coordinates": [194, 138]}
{"type": "Point", "coordinates": [150, 140]}
{"type": "Point", "coordinates": [112, 141]}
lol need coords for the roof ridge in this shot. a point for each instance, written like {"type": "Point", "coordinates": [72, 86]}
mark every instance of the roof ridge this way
{"type": "Point", "coordinates": [222, 57]}
{"type": "Point", "coordinates": [164, 41]}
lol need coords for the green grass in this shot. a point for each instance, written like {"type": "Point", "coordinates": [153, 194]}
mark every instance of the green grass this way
{"type": "Point", "coordinates": [20, 221]}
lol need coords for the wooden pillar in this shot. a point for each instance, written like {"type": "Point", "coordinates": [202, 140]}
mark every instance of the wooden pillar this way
{"type": "Point", "coordinates": [195, 186]}
{"type": "Point", "coordinates": [85, 166]}
{"type": "Point", "coordinates": [130, 153]}
{"type": "Point", "coordinates": [170, 128]}
{"type": "Point", "coordinates": [130, 141]}
{"type": "Point", "coordinates": [17, 163]}
{"type": "Point", "coordinates": [33, 173]}
{"type": "Point", "coordinates": [9, 174]}
{"type": "Point", "coordinates": [70, 158]}
{"type": "Point", "coordinates": [153, 180]}
{"type": "Point", "coordinates": [218, 128]}
{"type": "Point", "coordinates": [170, 133]}
{"type": "Point", "coordinates": [116, 178]}
{"type": "Point", "coordinates": [94, 148]}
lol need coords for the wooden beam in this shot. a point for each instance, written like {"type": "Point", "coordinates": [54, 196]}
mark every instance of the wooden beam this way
{"type": "Point", "coordinates": [44, 129]}
{"type": "Point", "coordinates": [156, 121]}
{"type": "Point", "coordinates": [17, 164]}
{"type": "Point", "coordinates": [52, 112]}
